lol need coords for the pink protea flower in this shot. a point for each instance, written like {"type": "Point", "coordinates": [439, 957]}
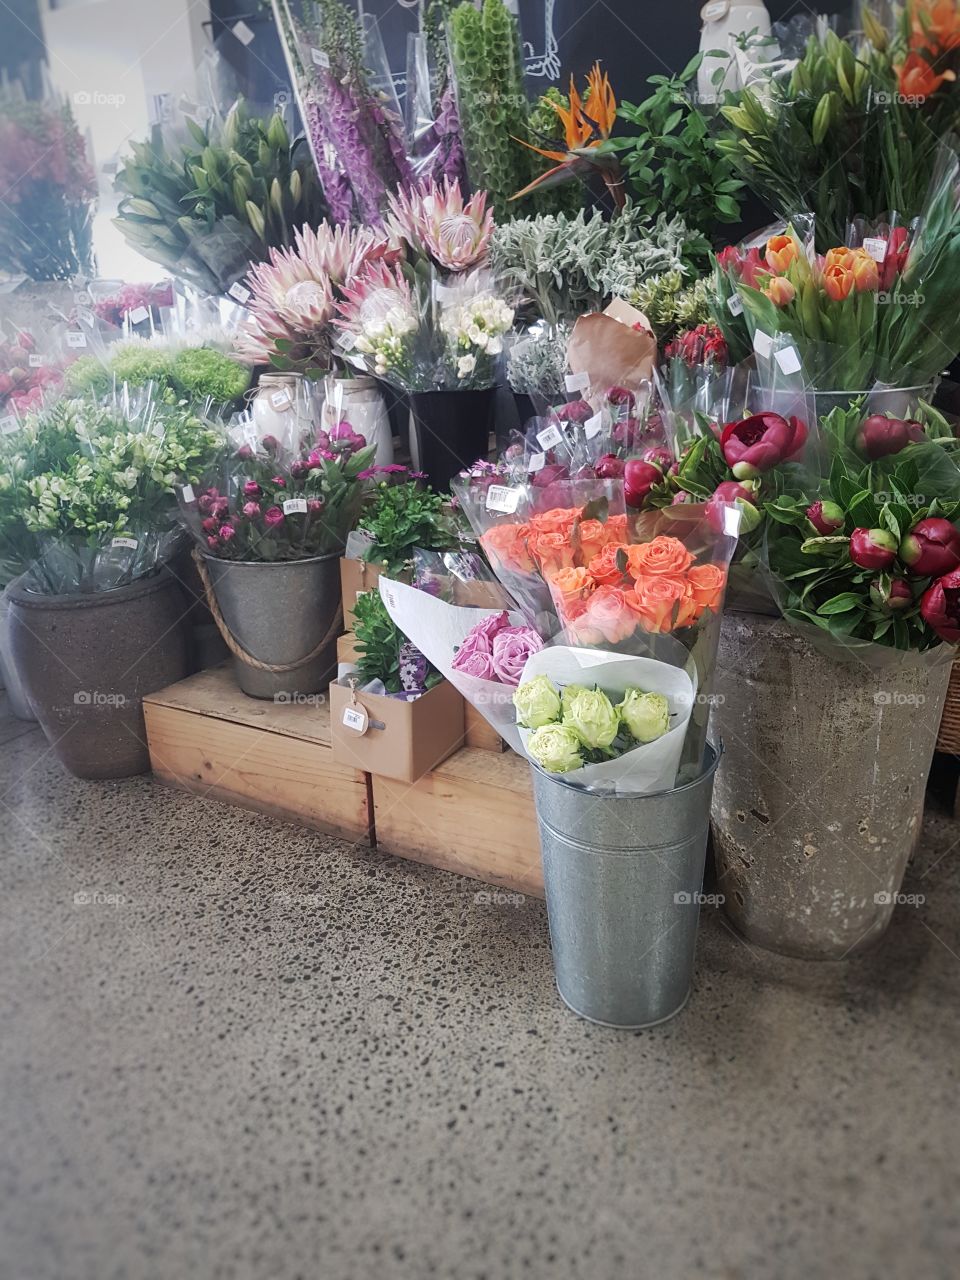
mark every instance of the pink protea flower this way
{"type": "Point", "coordinates": [435, 221]}
{"type": "Point", "coordinates": [380, 298]}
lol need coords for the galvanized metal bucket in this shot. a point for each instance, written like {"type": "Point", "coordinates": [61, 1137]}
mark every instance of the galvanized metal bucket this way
{"type": "Point", "coordinates": [279, 613]}
{"type": "Point", "coordinates": [623, 878]}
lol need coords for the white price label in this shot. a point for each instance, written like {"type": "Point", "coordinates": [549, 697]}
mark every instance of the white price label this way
{"type": "Point", "coordinates": [537, 462]}
{"type": "Point", "coordinates": [187, 494]}
{"type": "Point", "coordinates": [735, 304]}
{"type": "Point", "coordinates": [876, 246]}
{"type": "Point", "coordinates": [35, 362]}
{"type": "Point", "coordinates": [789, 360]}
{"type": "Point", "coordinates": [295, 507]}
{"type": "Point", "coordinates": [320, 59]}
{"type": "Point", "coordinates": [242, 32]}
{"type": "Point", "coordinates": [125, 544]}
{"type": "Point", "coordinates": [715, 10]}
{"type": "Point", "coordinates": [280, 399]}
{"type": "Point", "coordinates": [593, 426]}
{"type": "Point", "coordinates": [502, 498]}
{"type": "Point", "coordinates": [138, 315]}
{"type": "Point", "coordinates": [238, 292]}
{"type": "Point", "coordinates": [8, 424]}
{"type": "Point", "coordinates": [577, 381]}
{"type": "Point", "coordinates": [75, 338]}
{"type": "Point", "coordinates": [550, 436]}
{"type": "Point", "coordinates": [355, 718]}
{"type": "Point", "coordinates": [762, 343]}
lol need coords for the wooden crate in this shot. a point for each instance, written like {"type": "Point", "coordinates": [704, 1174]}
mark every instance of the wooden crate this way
{"type": "Point", "coordinates": [207, 737]}
{"type": "Point", "coordinates": [473, 815]}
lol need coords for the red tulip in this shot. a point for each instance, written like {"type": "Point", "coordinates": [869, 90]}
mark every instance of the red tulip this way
{"type": "Point", "coordinates": [760, 443]}
{"type": "Point", "coordinates": [873, 548]}
{"type": "Point", "coordinates": [893, 597]}
{"type": "Point", "coordinates": [638, 479]}
{"type": "Point", "coordinates": [940, 607]}
{"type": "Point", "coordinates": [932, 548]}
{"type": "Point", "coordinates": [826, 517]}
{"type": "Point", "coordinates": [896, 258]}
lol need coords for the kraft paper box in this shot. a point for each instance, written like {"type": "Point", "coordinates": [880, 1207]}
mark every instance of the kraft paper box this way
{"type": "Point", "coordinates": [404, 740]}
{"type": "Point", "coordinates": [356, 576]}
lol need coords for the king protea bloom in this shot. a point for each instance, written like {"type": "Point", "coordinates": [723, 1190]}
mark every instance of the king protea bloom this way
{"type": "Point", "coordinates": [436, 222]}
{"type": "Point", "coordinates": [587, 124]}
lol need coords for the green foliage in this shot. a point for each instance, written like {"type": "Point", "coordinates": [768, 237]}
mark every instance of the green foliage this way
{"type": "Point", "coordinates": [199, 372]}
{"type": "Point", "coordinates": [194, 373]}
{"type": "Point", "coordinates": [378, 642]}
{"type": "Point", "coordinates": [401, 518]}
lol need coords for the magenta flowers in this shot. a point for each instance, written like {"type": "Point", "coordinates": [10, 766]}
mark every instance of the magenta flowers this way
{"type": "Point", "coordinates": [496, 650]}
{"type": "Point", "coordinates": [760, 443]}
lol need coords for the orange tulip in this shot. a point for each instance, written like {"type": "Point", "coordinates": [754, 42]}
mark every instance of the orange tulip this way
{"type": "Point", "coordinates": [841, 257]}
{"type": "Point", "coordinates": [780, 291]}
{"type": "Point", "coordinates": [838, 283]}
{"type": "Point", "coordinates": [781, 251]}
{"type": "Point", "coordinates": [917, 79]}
{"type": "Point", "coordinates": [866, 272]}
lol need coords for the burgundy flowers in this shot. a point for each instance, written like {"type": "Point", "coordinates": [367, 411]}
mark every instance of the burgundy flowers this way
{"type": "Point", "coordinates": [880, 436]}
{"type": "Point", "coordinates": [940, 607]}
{"type": "Point", "coordinates": [760, 443]}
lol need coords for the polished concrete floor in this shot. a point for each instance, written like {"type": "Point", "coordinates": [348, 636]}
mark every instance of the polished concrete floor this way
{"type": "Point", "coordinates": [232, 1048]}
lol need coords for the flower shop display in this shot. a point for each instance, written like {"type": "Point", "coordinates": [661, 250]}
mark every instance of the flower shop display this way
{"type": "Point", "coordinates": [348, 105]}
{"type": "Point", "coordinates": [391, 713]}
{"type": "Point", "coordinates": [210, 204]}
{"type": "Point", "coordinates": [271, 528]}
{"type": "Point", "coordinates": [49, 189]}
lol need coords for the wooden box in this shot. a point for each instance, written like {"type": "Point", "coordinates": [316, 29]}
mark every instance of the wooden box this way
{"type": "Point", "coordinates": [207, 737]}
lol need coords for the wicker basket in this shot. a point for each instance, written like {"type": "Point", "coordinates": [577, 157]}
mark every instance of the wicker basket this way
{"type": "Point", "coordinates": [948, 738]}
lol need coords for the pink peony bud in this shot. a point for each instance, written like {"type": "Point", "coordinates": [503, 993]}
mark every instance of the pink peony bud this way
{"type": "Point", "coordinates": [826, 517]}
{"type": "Point", "coordinates": [251, 509]}
{"type": "Point", "coordinates": [932, 548]}
{"type": "Point", "coordinates": [873, 548]}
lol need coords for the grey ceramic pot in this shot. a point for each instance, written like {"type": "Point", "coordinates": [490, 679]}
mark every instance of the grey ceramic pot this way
{"type": "Point", "coordinates": [9, 677]}
{"type": "Point", "coordinates": [87, 661]}
{"type": "Point", "coordinates": [279, 612]}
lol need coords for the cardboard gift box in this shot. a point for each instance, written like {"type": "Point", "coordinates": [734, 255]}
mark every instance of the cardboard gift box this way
{"type": "Point", "coordinates": [401, 740]}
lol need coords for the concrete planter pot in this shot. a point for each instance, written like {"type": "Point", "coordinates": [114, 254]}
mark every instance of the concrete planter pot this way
{"type": "Point", "coordinates": [279, 613]}
{"type": "Point", "coordinates": [9, 677]}
{"type": "Point", "coordinates": [87, 661]}
{"type": "Point", "coordinates": [818, 803]}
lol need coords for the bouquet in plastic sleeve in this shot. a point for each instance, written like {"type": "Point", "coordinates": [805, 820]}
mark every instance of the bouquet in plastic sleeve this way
{"type": "Point", "coordinates": [432, 115]}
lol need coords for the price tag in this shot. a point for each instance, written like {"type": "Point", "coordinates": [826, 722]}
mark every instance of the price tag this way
{"type": "Point", "coordinates": [320, 59]}
{"type": "Point", "coordinates": [876, 246]}
{"type": "Point", "coordinates": [187, 494]}
{"type": "Point", "coordinates": [735, 304]}
{"type": "Point", "coordinates": [35, 362]}
{"type": "Point", "coordinates": [8, 424]}
{"type": "Point", "coordinates": [75, 338]}
{"type": "Point", "coordinates": [242, 32]}
{"type": "Point", "coordinates": [125, 544]}
{"type": "Point", "coordinates": [355, 718]}
{"type": "Point", "coordinates": [715, 10]}
{"type": "Point", "coordinates": [295, 507]}
{"type": "Point", "coordinates": [388, 595]}
{"type": "Point", "coordinates": [280, 399]}
{"type": "Point", "coordinates": [762, 343]}
{"type": "Point", "coordinates": [502, 498]}
{"type": "Point", "coordinates": [577, 381]}
{"type": "Point", "coordinates": [238, 292]}
{"type": "Point", "coordinates": [550, 436]}
{"type": "Point", "coordinates": [138, 315]}
{"type": "Point", "coordinates": [789, 360]}
{"type": "Point", "coordinates": [537, 462]}
{"type": "Point", "coordinates": [593, 426]}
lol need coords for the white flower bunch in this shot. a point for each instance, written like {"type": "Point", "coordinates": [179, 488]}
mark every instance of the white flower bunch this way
{"type": "Point", "coordinates": [387, 338]}
{"type": "Point", "coordinates": [474, 330]}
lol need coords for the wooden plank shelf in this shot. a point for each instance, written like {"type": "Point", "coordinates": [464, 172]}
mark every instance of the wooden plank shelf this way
{"type": "Point", "coordinates": [473, 815]}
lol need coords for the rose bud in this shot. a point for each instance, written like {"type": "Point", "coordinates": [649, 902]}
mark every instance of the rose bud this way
{"type": "Point", "coordinates": [549, 475]}
{"type": "Point", "coordinates": [272, 516]}
{"type": "Point", "coordinates": [278, 482]}
{"type": "Point", "coordinates": [892, 595]}
{"type": "Point", "coordinates": [743, 497]}
{"type": "Point", "coordinates": [609, 467]}
{"type": "Point", "coordinates": [244, 452]}
{"type": "Point", "coordinates": [880, 436]}
{"type": "Point", "coordinates": [760, 443]}
{"type": "Point", "coordinates": [251, 489]}
{"type": "Point", "coordinates": [620, 396]}
{"type": "Point", "coordinates": [657, 456]}
{"type": "Point", "coordinates": [873, 548]}
{"type": "Point", "coordinates": [299, 469]}
{"type": "Point", "coordinates": [251, 509]}
{"type": "Point", "coordinates": [270, 443]}
{"type": "Point", "coordinates": [638, 479]}
{"type": "Point", "coordinates": [212, 542]}
{"type": "Point", "coordinates": [940, 607]}
{"type": "Point", "coordinates": [826, 517]}
{"type": "Point", "coordinates": [210, 525]}
{"type": "Point", "coordinates": [932, 548]}
{"type": "Point", "coordinates": [227, 531]}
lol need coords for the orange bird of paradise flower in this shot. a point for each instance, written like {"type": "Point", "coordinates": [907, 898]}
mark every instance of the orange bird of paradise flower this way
{"type": "Point", "coordinates": [587, 124]}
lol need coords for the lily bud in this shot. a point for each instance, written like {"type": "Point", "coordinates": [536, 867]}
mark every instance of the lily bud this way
{"type": "Point", "coordinates": [873, 548]}
{"type": "Point", "coordinates": [826, 517]}
{"type": "Point", "coordinates": [940, 607]}
{"type": "Point", "coordinates": [891, 594]}
{"type": "Point", "coordinates": [932, 548]}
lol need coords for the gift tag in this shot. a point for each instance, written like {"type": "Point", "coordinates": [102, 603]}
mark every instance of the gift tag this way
{"type": "Point", "coordinates": [238, 292]}
{"type": "Point", "coordinates": [789, 360]}
{"type": "Point", "coordinates": [8, 424]}
{"type": "Point", "coordinates": [502, 498]}
{"type": "Point", "coordinates": [242, 32]}
{"type": "Point", "coordinates": [75, 338]}
{"type": "Point", "coordinates": [593, 426]}
{"type": "Point", "coordinates": [876, 246]}
{"type": "Point", "coordinates": [537, 462]}
{"type": "Point", "coordinates": [280, 399]}
{"type": "Point", "coordinates": [356, 718]}
{"type": "Point", "coordinates": [138, 315]}
{"type": "Point", "coordinates": [124, 544]}
{"type": "Point", "coordinates": [577, 381]}
{"type": "Point", "coordinates": [295, 507]}
{"type": "Point", "coordinates": [550, 436]}
{"type": "Point", "coordinates": [762, 343]}
{"type": "Point", "coordinates": [735, 304]}
{"type": "Point", "coordinates": [320, 59]}
{"type": "Point", "coordinates": [187, 494]}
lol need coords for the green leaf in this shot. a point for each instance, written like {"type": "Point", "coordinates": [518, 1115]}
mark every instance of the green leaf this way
{"type": "Point", "coordinates": [840, 604]}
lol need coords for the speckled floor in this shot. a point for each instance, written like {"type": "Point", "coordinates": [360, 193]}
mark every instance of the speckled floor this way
{"type": "Point", "coordinates": [248, 1051]}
